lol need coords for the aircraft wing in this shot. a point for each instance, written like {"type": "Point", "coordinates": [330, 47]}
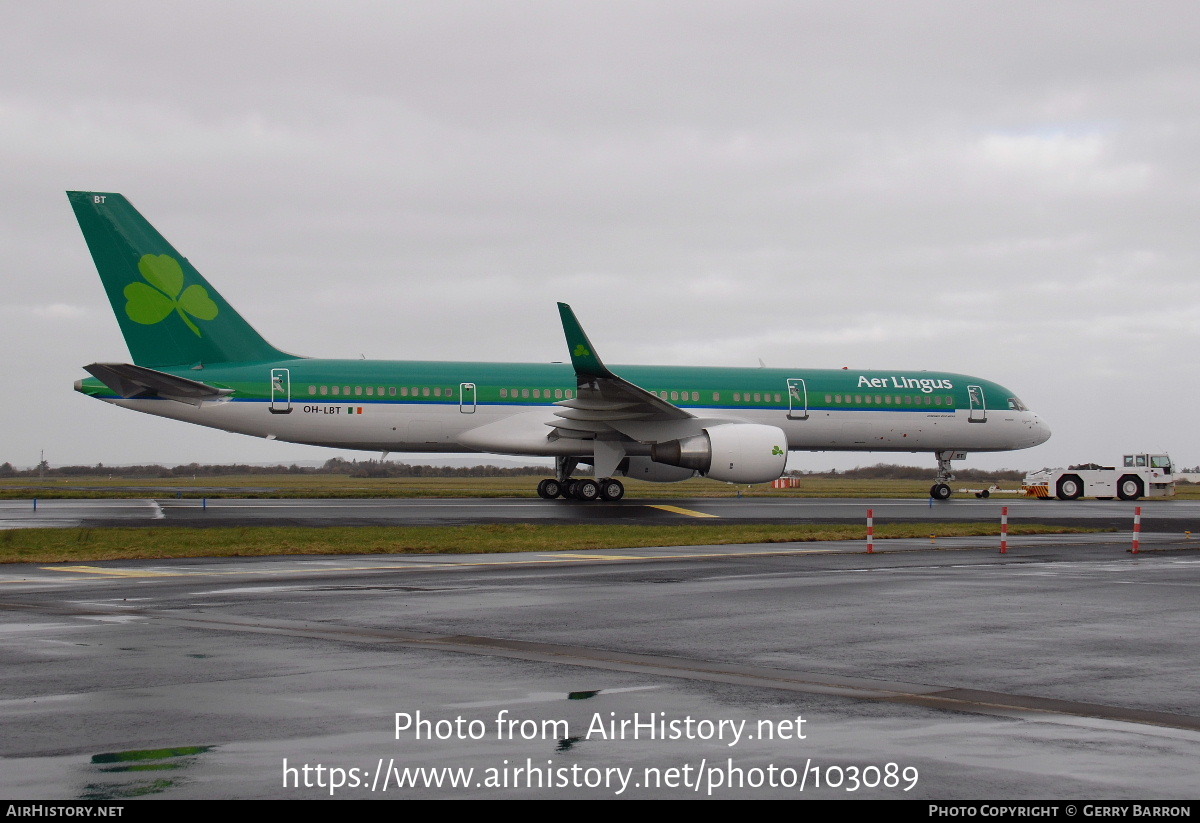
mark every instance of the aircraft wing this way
{"type": "Point", "coordinates": [604, 402]}
{"type": "Point", "coordinates": [131, 381]}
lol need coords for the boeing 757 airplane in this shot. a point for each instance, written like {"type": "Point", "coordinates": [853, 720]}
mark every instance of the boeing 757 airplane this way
{"type": "Point", "coordinates": [195, 359]}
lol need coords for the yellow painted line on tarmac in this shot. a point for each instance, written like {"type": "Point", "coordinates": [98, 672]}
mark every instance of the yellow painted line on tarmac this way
{"type": "Point", "coordinates": [545, 558]}
{"type": "Point", "coordinates": [688, 512]}
{"type": "Point", "coordinates": [111, 572]}
{"type": "Point", "coordinates": [591, 556]}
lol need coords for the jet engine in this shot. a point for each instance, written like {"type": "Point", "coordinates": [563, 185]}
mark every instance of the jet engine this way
{"type": "Point", "coordinates": [643, 468]}
{"type": "Point", "coordinates": [732, 452]}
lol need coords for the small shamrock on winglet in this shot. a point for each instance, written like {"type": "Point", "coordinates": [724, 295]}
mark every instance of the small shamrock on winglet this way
{"type": "Point", "coordinates": [776, 450]}
{"type": "Point", "coordinates": [581, 351]}
{"type": "Point", "coordinates": [165, 294]}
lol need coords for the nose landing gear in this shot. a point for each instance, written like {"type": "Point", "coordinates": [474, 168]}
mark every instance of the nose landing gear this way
{"type": "Point", "coordinates": [940, 490]}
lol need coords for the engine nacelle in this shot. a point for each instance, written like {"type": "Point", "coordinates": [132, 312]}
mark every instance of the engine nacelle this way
{"type": "Point", "coordinates": [643, 468]}
{"type": "Point", "coordinates": [732, 452]}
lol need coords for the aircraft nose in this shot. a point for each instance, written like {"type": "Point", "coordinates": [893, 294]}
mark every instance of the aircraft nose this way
{"type": "Point", "coordinates": [1040, 430]}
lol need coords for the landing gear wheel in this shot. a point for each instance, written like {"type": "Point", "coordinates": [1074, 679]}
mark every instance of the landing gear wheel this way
{"type": "Point", "coordinates": [549, 489]}
{"type": "Point", "coordinates": [586, 490]}
{"type": "Point", "coordinates": [940, 491]}
{"type": "Point", "coordinates": [611, 490]}
{"type": "Point", "coordinates": [1069, 487]}
{"type": "Point", "coordinates": [1130, 487]}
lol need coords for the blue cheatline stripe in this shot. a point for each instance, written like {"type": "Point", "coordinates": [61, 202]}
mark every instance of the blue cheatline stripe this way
{"type": "Point", "coordinates": [456, 404]}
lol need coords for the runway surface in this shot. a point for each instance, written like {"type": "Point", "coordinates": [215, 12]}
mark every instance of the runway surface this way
{"type": "Point", "coordinates": [1065, 669]}
{"type": "Point", "coordinates": [1158, 515]}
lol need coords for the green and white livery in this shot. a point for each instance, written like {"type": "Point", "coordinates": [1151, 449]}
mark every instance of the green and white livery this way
{"type": "Point", "coordinates": [195, 359]}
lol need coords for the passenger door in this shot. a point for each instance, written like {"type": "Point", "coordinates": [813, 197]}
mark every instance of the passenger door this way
{"type": "Point", "coordinates": [797, 399]}
{"type": "Point", "coordinates": [281, 391]}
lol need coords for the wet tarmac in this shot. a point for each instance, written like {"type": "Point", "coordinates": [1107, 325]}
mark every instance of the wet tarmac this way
{"type": "Point", "coordinates": [1158, 515]}
{"type": "Point", "coordinates": [1064, 669]}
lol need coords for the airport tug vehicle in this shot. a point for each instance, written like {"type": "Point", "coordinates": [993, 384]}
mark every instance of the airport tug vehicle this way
{"type": "Point", "coordinates": [1140, 475]}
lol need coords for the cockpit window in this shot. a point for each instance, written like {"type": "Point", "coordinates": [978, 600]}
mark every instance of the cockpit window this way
{"type": "Point", "coordinates": [1015, 404]}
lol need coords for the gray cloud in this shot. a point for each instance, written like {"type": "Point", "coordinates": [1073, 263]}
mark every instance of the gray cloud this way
{"type": "Point", "coordinates": [1005, 190]}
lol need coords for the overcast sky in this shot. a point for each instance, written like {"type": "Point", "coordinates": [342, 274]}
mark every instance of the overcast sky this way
{"type": "Point", "coordinates": [1008, 190]}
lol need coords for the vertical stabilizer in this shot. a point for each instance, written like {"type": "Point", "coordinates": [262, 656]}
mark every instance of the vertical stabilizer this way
{"type": "Point", "coordinates": [168, 312]}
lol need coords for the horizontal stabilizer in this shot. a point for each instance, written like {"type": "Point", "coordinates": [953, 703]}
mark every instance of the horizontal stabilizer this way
{"type": "Point", "coordinates": [131, 382]}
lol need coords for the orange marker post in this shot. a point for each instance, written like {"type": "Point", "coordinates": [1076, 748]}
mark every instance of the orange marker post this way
{"type": "Point", "coordinates": [1004, 530]}
{"type": "Point", "coordinates": [1137, 529]}
{"type": "Point", "coordinates": [870, 531]}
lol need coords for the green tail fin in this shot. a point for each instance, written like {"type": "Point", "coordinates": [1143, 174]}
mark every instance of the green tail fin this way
{"type": "Point", "coordinates": [168, 312]}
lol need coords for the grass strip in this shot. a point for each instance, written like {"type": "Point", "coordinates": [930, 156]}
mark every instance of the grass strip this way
{"type": "Point", "coordinates": [91, 544]}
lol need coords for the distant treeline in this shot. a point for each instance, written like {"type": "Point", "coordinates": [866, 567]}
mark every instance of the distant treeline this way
{"type": "Point", "coordinates": [336, 465]}
{"type": "Point", "coordinates": [388, 468]}
{"type": "Point", "coordinates": [891, 471]}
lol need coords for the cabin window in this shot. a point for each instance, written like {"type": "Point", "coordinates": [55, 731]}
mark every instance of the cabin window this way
{"type": "Point", "coordinates": [570, 394]}
{"type": "Point", "coordinates": [437, 391]}
{"type": "Point", "coordinates": [370, 391]}
{"type": "Point", "coordinates": [392, 391]}
{"type": "Point", "coordinates": [737, 397]}
{"type": "Point", "coordinates": [716, 397]}
{"type": "Point", "coordinates": [425, 391]}
{"type": "Point", "coordinates": [504, 392]}
{"type": "Point", "coordinates": [937, 401]}
{"type": "Point", "coordinates": [537, 393]}
{"type": "Point", "coordinates": [757, 397]}
{"type": "Point", "coordinates": [337, 390]}
{"type": "Point", "coordinates": [324, 390]}
{"type": "Point", "coordinates": [524, 392]}
{"type": "Point", "coordinates": [558, 394]}
{"type": "Point", "coordinates": [695, 397]}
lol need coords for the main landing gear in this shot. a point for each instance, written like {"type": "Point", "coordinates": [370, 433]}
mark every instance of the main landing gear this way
{"type": "Point", "coordinates": [565, 486]}
{"type": "Point", "coordinates": [940, 490]}
{"type": "Point", "coordinates": [608, 489]}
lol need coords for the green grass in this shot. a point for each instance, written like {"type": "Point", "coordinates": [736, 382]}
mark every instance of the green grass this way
{"type": "Point", "coordinates": [91, 544]}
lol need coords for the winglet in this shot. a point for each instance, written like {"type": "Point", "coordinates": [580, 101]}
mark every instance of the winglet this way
{"type": "Point", "coordinates": [583, 353]}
